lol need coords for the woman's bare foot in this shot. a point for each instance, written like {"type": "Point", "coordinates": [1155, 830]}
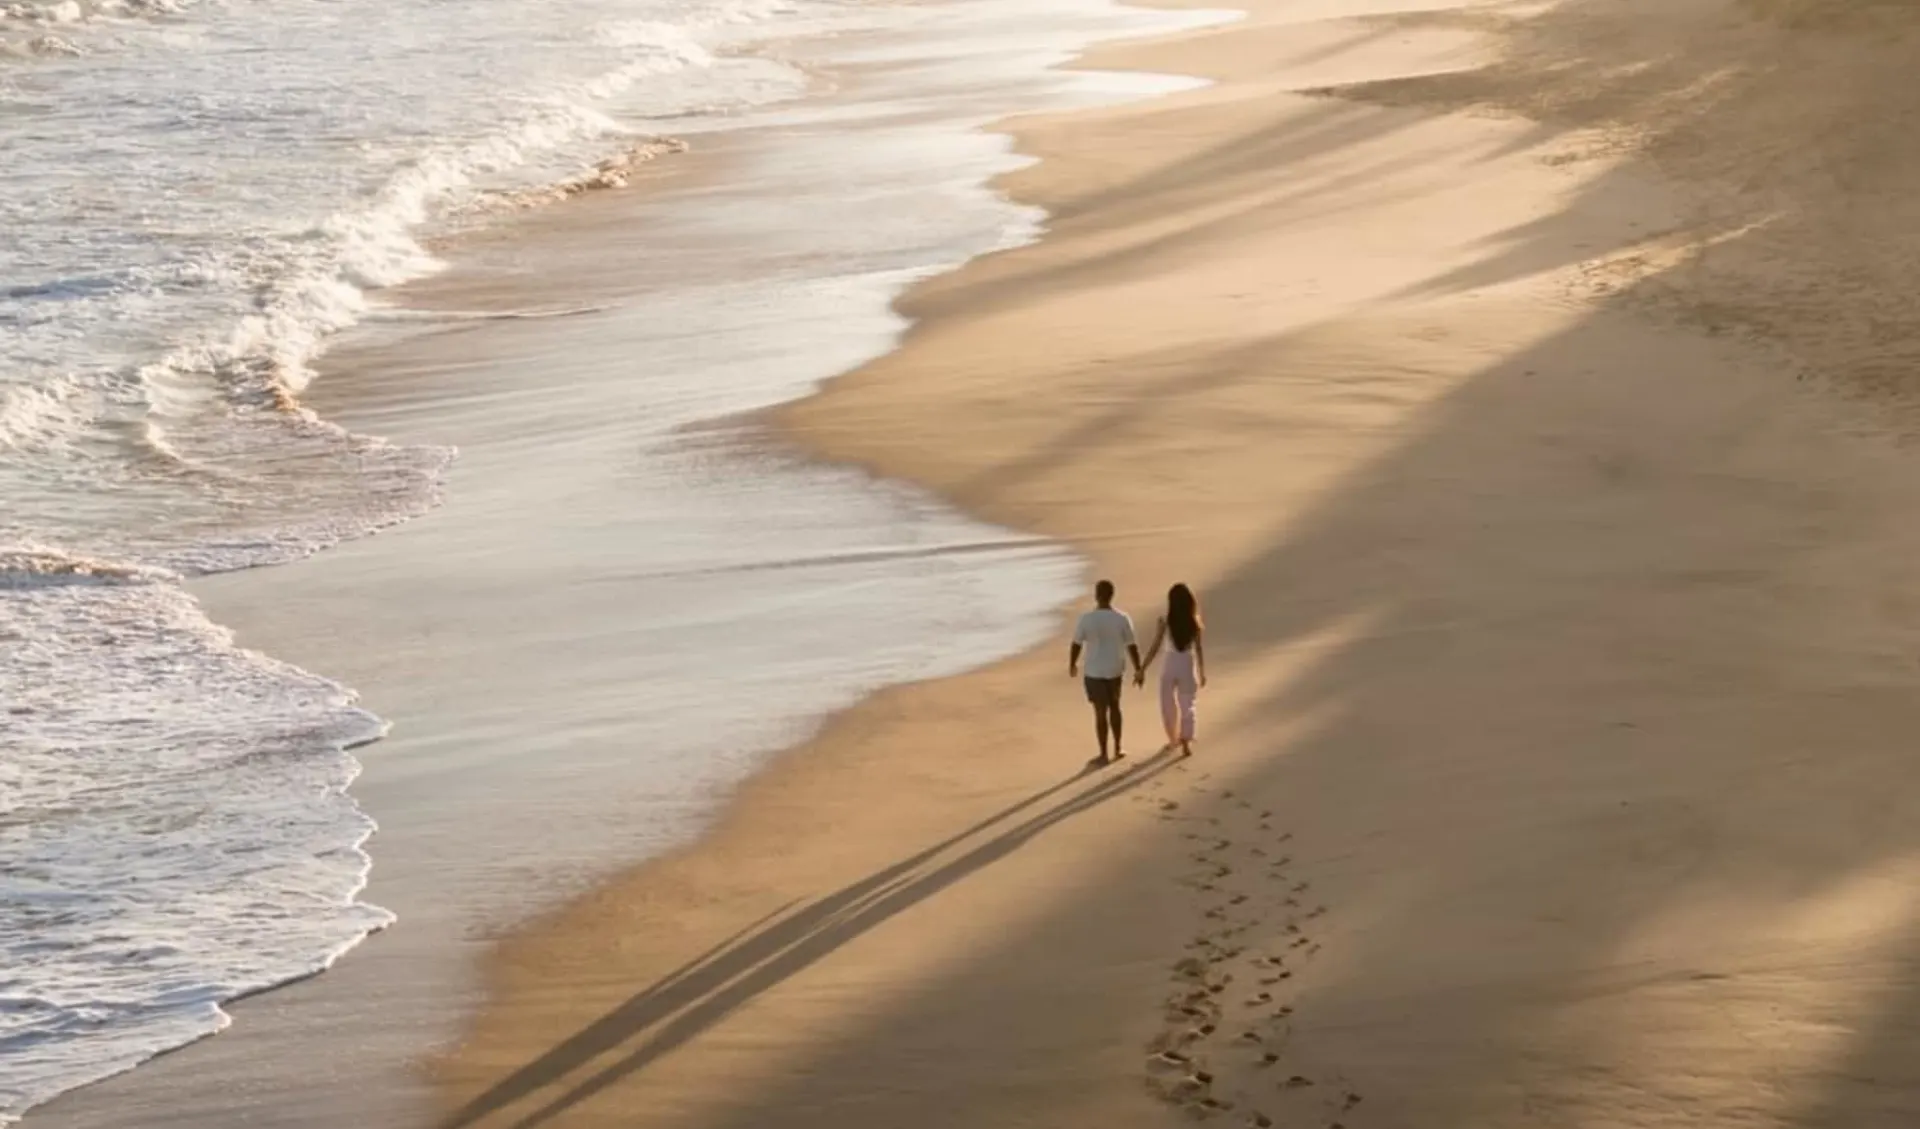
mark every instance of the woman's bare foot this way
{"type": "Point", "coordinates": [1186, 748]}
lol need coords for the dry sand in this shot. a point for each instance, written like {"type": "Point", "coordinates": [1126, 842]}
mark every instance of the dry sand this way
{"type": "Point", "coordinates": [1556, 768]}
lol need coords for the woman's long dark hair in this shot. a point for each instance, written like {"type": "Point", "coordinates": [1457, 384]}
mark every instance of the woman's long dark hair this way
{"type": "Point", "coordinates": [1183, 616]}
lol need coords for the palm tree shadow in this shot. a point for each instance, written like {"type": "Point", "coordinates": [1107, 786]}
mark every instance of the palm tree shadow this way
{"type": "Point", "coordinates": [705, 990]}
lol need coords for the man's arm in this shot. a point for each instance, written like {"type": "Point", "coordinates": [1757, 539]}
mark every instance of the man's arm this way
{"type": "Point", "coordinates": [1139, 668]}
{"type": "Point", "coordinates": [1139, 664]}
{"type": "Point", "coordinates": [1073, 659]}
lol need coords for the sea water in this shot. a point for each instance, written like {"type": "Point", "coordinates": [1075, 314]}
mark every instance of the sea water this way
{"type": "Point", "coordinates": [198, 195]}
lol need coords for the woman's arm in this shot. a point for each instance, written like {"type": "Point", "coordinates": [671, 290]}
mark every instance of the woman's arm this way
{"type": "Point", "coordinates": [1200, 653]}
{"type": "Point", "coordinates": [1159, 635]}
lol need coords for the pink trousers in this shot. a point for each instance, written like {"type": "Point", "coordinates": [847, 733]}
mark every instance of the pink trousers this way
{"type": "Point", "coordinates": [1177, 689]}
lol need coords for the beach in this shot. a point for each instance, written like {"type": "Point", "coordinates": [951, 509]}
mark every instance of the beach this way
{"type": "Point", "coordinates": [1523, 391]}
{"type": "Point", "coordinates": [1552, 768]}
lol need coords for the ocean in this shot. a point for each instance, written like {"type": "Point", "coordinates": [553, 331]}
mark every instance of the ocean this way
{"type": "Point", "coordinates": [200, 198]}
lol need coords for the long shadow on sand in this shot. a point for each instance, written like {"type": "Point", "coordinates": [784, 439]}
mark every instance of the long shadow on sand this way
{"type": "Point", "coordinates": [1636, 641]}
{"type": "Point", "coordinates": [708, 988]}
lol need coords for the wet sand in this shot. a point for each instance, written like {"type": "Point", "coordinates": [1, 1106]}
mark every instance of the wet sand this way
{"type": "Point", "coordinates": [1525, 401]}
{"type": "Point", "coordinates": [1554, 768]}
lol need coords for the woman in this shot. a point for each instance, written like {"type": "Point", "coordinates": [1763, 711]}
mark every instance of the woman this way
{"type": "Point", "coordinates": [1185, 670]}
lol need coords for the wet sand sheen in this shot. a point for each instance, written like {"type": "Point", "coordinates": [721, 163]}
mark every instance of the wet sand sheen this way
{"type": "Point", "coordinates": [630, 599]}
{"type": "Point", "coordinates": [1552, 767]}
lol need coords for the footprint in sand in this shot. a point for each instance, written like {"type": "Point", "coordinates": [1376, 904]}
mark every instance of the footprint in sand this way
{"type": "Point", "coordinates": [1237, 899]}
{"type": "Point", "coordinates": [1260, 1121]}
{"type": "Point", "coordinates": [1187, 1089]}
{"type": "Point", "coordinates": [1169, 1060]}
{"type": "Point", "coordinates": [1297, 1081]}
{"type": "Point", "coordinates": [1262, 998]}
{"type": "Point", "coordinates": [1269, 1058]}
{"type": "Point", "coordinates": [1352, 1099]}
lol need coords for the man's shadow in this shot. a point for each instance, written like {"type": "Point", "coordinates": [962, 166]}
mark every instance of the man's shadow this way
{"type": "Point", "coordinates": [704, 991]}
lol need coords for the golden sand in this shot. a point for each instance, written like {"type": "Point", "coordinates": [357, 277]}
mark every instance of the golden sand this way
{"type": "Point", "coordinates": [1557, 765]}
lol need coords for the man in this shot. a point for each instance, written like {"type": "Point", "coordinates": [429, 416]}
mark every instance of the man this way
{"type": "Point", "coordinates": [1105, 634]}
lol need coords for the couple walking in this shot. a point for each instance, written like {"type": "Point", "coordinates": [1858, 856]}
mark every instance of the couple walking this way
{"type": "Point", "coordinates": [1104, 637]}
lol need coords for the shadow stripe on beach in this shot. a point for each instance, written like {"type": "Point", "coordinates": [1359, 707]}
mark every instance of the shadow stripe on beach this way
{"type": "Point", "coordinates": [699, 994]}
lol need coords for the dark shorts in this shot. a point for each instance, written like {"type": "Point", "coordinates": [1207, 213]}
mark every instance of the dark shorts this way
{"type": "Point", "coordinates": [1103, 691]}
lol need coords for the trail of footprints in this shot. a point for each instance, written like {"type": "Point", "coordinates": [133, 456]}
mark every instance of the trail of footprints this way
{"type": "Point", "coordinates": [1223, 1051]}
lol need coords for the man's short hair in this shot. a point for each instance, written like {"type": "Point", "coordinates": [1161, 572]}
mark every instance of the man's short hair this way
{"type": "Point", "coordinates": [1103, 591]}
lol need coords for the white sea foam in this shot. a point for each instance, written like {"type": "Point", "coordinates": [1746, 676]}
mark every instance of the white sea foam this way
{"type": "Point", "coordinates": [174, 824]}
{"type": "Point", "coordinates": [173, 819]}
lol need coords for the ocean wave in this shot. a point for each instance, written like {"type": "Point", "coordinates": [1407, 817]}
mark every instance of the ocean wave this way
{"type": "Point", "coordinates": [174, 812]}
{"type": "Point", "coordinates": [41, 47]}
{"type": "Point", "coordinates": [67, 12]}
{"type": "Point", "coordinates": [321, 283]}
{"type": "Point", "coordinates": [39, 566]}
{"type": "Point", "coordinates": [174, 816]}
{"type": "Point", "coordinates": [612, 172]}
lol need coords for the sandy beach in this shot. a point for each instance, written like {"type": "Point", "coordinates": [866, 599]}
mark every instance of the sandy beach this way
{"type": "Point", "coordinates": [1524, 391]}
{"type": "Point", "coordinates": [1554, 767]}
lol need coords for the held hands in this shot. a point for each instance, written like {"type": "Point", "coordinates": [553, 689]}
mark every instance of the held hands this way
{"type": "Point", "coordinates": [1140, 676]}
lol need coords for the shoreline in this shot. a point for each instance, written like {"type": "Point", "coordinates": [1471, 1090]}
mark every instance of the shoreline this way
{"type": "Point", "coordinates": [1554, 750]}
{"type": "Point", "coordinates": [981, 936]}
{"type": "Point", "coordinates": [317, 1014]}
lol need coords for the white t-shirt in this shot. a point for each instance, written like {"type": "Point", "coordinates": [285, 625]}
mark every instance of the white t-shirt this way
{"type": "Point", "coordinates": [1104, 636]}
